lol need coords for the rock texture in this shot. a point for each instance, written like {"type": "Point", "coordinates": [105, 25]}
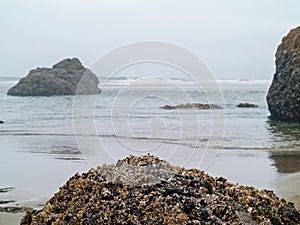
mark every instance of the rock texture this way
{"type": "Point", "coordinates": [147, 190]}
{"type": "Point", "coordinates": [64, 78]}
{"type": "Point", "coordinates": [284, 94]}
{"type": "Point", "coordinates": [246, 105]}
{"type": "Point", "coordinates": [192, 106]}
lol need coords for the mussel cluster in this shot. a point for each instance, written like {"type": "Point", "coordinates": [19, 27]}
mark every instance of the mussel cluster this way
{"type": "Point", "coordinates": [147, 190]}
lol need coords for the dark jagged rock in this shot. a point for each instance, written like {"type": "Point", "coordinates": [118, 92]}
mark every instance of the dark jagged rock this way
{"type": "Point", "coordinates": [192, 106]}
{"type": "Point", "coordinates": [1, 121]}
{"type": "Point", "coordinates": [3, 202]}
{"type": "Point", "coordinates": [284, 94]}
{"type": "Point", "coordinates": [247, 105]}
{"type": "Point", "coordinates": [62, 79]}
{"type": "Point", "coordinates": [147, 190]}
{"type": "Point", "coordinates": [4, 190]}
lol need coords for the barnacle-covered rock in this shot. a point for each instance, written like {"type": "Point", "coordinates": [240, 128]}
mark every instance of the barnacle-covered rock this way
{"type": "Point", "coordinates": [147, 190]}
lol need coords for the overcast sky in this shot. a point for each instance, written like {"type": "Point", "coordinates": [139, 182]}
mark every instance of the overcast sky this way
{"type": "Point", "coordinates": [237, 39]}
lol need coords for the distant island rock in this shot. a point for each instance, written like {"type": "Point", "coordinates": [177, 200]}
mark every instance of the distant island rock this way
{"type": "Point", "coordinates": [192, 106]}
{"type": "Point", "coordinates": [246, 105]}
{"type": "Point", "coordinates": [62, 79]}
{"type": "Point", "coordinates": [284, 94]}
{"type": "Point", "coordinates": [1, 121]}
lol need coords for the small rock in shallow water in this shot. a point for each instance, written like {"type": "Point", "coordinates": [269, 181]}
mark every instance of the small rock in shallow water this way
{"type": "Point", "coordinates": [15, 209]}
{"type": "Point", "coordinates": [7, 189]}
{"type": "Point", "coordinates": [3, 202]}
{"type": "Point", "coordinates": [246, 105]}
{"type": "Point", "coordinates": [192, 106]}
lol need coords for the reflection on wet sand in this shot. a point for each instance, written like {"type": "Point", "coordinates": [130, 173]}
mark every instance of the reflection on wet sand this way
{"type": "Point", "coordinates": [59, 147]}
{"type": "Point", "coordinates": [286, 137]}
{"type": "Point", "coordinates": [61, 153]}
{"type": "Point", "coordinates": [288, 134]}
{"type": "Point", "coordinates": [286, 162]}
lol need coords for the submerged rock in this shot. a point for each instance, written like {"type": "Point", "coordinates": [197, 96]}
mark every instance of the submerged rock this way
{"type": "Point", "coordinates": [284, 94]}
{"type": "Point", "coordinates": [192, 106]}
{"type": "Point", "coordinates": [247, 105]}
{"type": "Point", "coordinates": [62, 79]}
{"type": "Point", "coordinates": [4, 190]}
{"type": "Point", "coordinates": [3, 202]}
{"type": "Point", "coordinates": [147, 190]}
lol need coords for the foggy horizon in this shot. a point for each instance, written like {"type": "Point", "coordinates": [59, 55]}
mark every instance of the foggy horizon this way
{"type": "Point", "coordinates": [236, 40]}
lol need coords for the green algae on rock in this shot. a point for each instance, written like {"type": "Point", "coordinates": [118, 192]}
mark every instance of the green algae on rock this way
{"type": "Point", "coordinates": [147, 190]}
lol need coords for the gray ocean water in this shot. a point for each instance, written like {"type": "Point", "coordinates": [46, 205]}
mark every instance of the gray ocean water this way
{"type": "Point", "coordinates": [39, 150]}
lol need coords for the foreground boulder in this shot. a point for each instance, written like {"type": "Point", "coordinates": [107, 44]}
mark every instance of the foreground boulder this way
{"type": "Point", "coordinates": [147, 190]}
{"type": "Point", "coordinates": [284, 94]}
{"type": "Point", "coordinates": [62, 79]}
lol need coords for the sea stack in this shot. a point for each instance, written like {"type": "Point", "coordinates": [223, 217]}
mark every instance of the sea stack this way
{"type": "Point", "coordinates": [67, 77]}
{"type": "Point", "coordinates": [284, 94]}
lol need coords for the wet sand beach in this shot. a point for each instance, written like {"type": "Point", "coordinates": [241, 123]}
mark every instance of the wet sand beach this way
{"type": "Point", "coordinates": [288, 187]}
{"type": "Point", "coordinates": [10, 218]}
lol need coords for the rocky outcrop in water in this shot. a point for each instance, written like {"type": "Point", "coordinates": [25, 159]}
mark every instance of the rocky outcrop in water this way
{"type": "Point", "coordinates": [147, 190]}
{"type": "Point", "coordinates": [62, 79]}
{"type": "Point", "coordinates": [246, 105]}
{"type": "Point", "coordinates": [192, 106]}
{"type": "Point", "coordinates": [284, 94]}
